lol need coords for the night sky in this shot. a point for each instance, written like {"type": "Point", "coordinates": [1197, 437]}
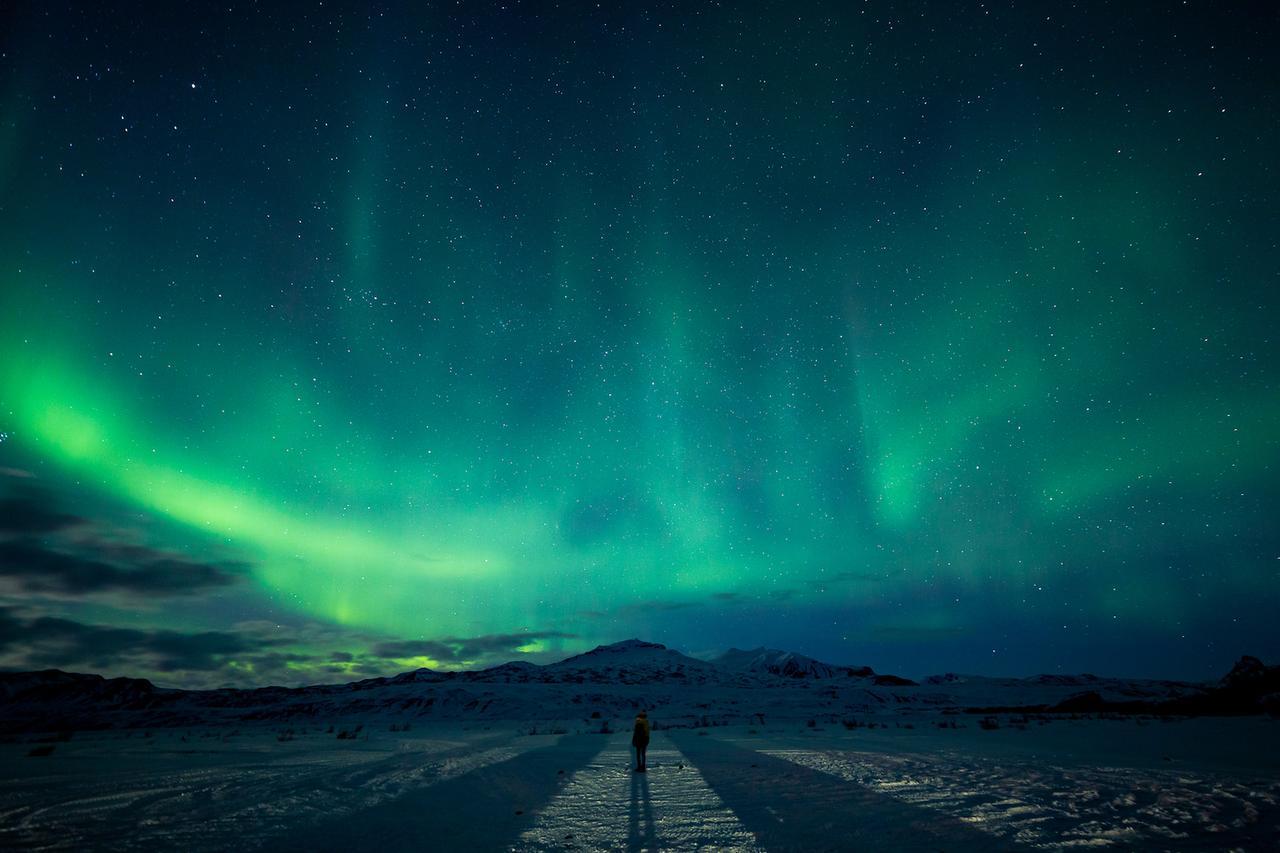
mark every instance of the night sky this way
{"type": "Point", "coordinates": [341, 340]}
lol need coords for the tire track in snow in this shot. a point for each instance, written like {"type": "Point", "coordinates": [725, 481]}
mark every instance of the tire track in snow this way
{"type": "Point", "coordinates": [608, 806]}
{"type": "Point", "coordinates": [793, 807]}
{"type": "Point", "coordinates": [485, 809]}
{"type": "Point", "coordinates": [243, 802]}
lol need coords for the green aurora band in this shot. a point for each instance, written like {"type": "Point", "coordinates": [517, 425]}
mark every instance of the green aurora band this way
{"type": "Point", "coordinates": [433, 372]}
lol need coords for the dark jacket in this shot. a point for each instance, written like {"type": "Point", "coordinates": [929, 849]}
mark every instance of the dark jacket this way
{"type": "Point", "coordinates": [640, 734]}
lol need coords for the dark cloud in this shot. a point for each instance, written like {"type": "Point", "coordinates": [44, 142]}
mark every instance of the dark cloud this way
{"type": "Point", "coordinates": [39, 568]}
{"type": "Point", "coordinates": [55, 641]}
{"type": "Point", "coordinates": [45, 550]}
{"type": "Point", "coordinates": [254, 654]}
{"type": "Point", "coordinates": [461, 649]}
{"type": "Point", "coordinates": [433, 649]}
{"type": "Point", "coordinates": [272, 664]}
{"type": "Point", "coordinates": [31, 513]}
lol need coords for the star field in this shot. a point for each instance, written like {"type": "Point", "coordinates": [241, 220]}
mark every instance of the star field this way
{"type": "Point", "coordinates": [918, 336]}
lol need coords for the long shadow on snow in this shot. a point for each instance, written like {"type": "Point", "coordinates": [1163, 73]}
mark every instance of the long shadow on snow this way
{"type": "Point", "coordinates": [485, 809]}
{"type": "Point", "coordinates": [790, 807]}
{"type": "Point", "coordinates": [641, 832]}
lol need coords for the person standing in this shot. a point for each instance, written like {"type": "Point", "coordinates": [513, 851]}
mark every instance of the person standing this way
{"type": "Point", "coordinates": [640, 739]}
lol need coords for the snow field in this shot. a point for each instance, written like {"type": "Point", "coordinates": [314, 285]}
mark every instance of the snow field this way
{"type": "Point", "coordinates": [1209, 785]}
{"type": "Point", "coordinates": [1059, 808]}
{"type": "Point", "coordinates": [246, 795]}
{"type": "Point", "coordinates": [608, 806]}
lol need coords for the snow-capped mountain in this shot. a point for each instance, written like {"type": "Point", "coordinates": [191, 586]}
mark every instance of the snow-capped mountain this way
{"type": "Point", "coordinates": [786, 664]}
{"type": "Point", "coordinates": [634, 662]}
{"type": "Point", "coordinates": [625, 662]}
{"type": "Point", "coordinates": [611, 682]}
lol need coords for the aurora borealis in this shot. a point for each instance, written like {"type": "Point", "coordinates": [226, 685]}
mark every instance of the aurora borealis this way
{"type": "Point", "coordinates": [340, 340]}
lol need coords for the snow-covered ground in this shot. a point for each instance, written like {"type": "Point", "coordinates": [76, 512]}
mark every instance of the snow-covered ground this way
{"type": "Point", "coordinates": [607, 806]}
{"type": "Point", "coordinates": [1198, 784]}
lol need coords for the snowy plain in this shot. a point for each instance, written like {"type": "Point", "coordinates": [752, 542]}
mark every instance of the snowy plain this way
{"type": "Point", "coordinates": [1120, 784]}
{"type": "Point", "coordinates": [759, 750]}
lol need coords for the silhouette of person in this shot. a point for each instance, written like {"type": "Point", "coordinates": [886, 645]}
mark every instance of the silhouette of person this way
{"type": "Point", "coordinates": [640, 740]}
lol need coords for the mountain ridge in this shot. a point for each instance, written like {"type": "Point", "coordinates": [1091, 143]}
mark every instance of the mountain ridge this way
{"type": "Point", "coordinates": [616, 680]}
{"type": "Point", "coordinates": [786, 664]}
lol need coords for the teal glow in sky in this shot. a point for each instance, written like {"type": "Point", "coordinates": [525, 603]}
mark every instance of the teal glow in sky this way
{"type": "Point", "coordinates": [927, 338]}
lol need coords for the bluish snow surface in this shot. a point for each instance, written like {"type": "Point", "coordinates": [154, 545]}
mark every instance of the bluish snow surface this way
{"type": "Point", "coordinates": [1109, 784]}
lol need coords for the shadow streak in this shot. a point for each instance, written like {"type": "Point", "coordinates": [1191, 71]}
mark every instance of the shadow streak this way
{"type": "Point", "coordinates": [486, 809]}
{"type": "Point", "coordinates": [641, 835]}
{"type": "Point", "coordinates": [790, 807]}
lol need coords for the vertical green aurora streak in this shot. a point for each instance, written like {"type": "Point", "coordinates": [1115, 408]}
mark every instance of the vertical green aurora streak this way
{"type": "Point", "coordinates": [823, 327]}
